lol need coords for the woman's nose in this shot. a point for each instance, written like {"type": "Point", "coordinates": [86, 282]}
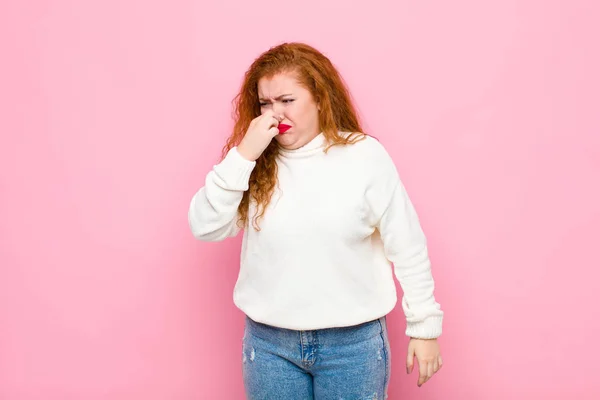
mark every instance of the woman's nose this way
{"type": "Point", "coordinates": [278, 109]}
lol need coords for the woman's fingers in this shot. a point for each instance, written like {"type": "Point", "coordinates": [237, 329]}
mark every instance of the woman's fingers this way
{"type": "Point", "coordinates": [423, 367]}
{"type": "Point", "coordinates": [427, 369]}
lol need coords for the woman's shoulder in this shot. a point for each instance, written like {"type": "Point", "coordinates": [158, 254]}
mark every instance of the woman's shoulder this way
{"type": "Point", "coordinates": [365, 145]}
{"type": "Point", "coordinates": [368, 155]}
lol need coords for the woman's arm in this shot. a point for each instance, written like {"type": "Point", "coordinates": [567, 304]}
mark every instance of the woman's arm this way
{"type": "Point", "coordinates": [405, 245]}
{"type": "Point", "coordinates": [213, 211]}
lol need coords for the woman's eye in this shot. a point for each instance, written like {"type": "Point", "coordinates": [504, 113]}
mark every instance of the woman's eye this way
{"type": "Point", "coordinates": [286, 101]}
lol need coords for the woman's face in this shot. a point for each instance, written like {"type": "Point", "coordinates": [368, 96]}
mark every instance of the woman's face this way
{"type": "Point", "coordinates": [294, 105]}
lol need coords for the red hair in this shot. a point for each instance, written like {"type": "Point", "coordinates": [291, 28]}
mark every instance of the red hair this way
{"type": "Point", "coordinates": [318, 75]}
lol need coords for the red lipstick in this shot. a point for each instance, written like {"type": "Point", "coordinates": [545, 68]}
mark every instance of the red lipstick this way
{"type": "Point", "coordinates": [283, 128]}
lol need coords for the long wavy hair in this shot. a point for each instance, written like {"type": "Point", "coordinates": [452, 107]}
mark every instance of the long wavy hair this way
{"type": "Point", "coordinates": [337, 113]}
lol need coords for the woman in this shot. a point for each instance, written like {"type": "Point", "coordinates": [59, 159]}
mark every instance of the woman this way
{"type": "Point", "coordinates": [324, 215]}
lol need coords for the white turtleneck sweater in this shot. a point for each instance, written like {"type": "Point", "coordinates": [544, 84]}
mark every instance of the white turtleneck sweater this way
{"type": "Point", "coordinates": [337, 229]}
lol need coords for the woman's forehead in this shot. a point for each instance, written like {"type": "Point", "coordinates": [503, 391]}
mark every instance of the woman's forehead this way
{"type": "Point", "coordinates": [277, 86]}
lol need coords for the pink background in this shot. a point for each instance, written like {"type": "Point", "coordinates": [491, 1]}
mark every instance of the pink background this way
{"type": "Point", "coordinates": [112, 112]}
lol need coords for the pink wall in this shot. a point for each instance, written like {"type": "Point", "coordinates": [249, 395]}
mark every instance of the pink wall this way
{"type": "Point", "coordinates": [112, 112]}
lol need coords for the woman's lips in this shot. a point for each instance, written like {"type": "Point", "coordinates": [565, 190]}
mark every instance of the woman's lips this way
{"type": "Point", "coordinates": [283, 128]}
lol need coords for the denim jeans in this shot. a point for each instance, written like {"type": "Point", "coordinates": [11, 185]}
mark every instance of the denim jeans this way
{"type": "Point", "coordinates": [349, 363]}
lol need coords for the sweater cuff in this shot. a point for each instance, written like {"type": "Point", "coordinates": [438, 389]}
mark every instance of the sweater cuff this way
{"type": "Point", "coordinates": [235, 170]}
{"type": "Point", "coordinates": [430, 328]}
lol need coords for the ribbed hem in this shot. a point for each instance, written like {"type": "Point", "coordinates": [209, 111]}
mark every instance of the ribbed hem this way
{"type": "Point", "coordinates": [235, 170]}
{"type": "Point", "coordinates": [430, 328]}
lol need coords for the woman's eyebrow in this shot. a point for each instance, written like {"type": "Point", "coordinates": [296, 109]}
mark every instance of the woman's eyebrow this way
{"type": "Point", "coordinates": [276, 98]}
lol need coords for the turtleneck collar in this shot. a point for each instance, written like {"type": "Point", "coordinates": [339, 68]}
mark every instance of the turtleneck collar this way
{"type": "Point", "coordinates": [314, 146]}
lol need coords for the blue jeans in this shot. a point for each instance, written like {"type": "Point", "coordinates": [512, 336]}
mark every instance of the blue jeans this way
{"type": "Point", "coordinates": [349, 363]}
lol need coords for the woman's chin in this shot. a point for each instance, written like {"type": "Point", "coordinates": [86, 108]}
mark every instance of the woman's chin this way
{"type": "Point", "coordinates": [286, 138]}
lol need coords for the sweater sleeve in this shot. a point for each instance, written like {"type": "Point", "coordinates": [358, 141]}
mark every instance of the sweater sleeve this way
{"type": "Point", "coordinates": [213, 210]}
{"type": "Point", "coordinates": [405, 245]}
